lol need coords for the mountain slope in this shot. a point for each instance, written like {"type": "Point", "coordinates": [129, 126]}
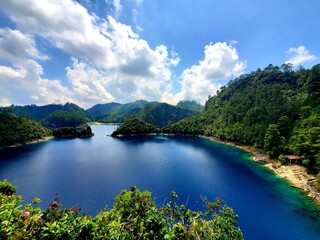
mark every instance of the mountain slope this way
{"type": "Point", "coordinates": [18, 130]}
{"type": "Point", "coordinates": [100, 111]}
{"type": "Point", "coordinates": [274, 103]}
{"type": "Point", "coordinates": [158, 114]}
{"type": "Point", "coordinates": [39, 113]}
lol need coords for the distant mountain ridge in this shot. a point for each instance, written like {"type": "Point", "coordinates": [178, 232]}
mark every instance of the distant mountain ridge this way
{"type": "Point", "coordinates": [70, 115]}
{"type": "Point", "coordinates": [39, 113]}
{"type": "Point", "coordinates": [158, 114]}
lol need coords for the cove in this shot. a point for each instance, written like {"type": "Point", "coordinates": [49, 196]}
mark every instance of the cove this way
{"type": "Point", "coordinates": [88, 173]}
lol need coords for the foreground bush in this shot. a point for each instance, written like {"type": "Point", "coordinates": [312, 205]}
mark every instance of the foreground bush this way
{"type": "Point", "coordinates": [133, 216]}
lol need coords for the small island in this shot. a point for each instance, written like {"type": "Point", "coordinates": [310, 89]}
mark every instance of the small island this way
{"type": "Point", "coordinates": [135, 127]}
{"type": "Point", "coordinates": [73, 132]}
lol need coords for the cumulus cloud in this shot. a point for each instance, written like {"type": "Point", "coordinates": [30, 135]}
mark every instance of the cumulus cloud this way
{"type": "Point", "coordinates": [110, 62]}
{"type": "Point", "coordinates": [88, 84]}
{"type": "Point", "coordinates": [24, 84]}
{"type": "Point", "coordinates": [110, 53]}
{"type": "Point", "coordinates": [221, 61]}
{"type": "Point", "coordinates": [299, 55]}
{"type": "Point", "coordinates": [15, 45]}
{"type": "Point", "coordinates": [67, 24]}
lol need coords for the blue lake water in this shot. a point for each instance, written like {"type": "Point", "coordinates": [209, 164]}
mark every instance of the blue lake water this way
{"type": "Point", "coordinates": [88, 173]}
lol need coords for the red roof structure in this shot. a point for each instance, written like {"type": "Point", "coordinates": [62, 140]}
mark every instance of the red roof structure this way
{"type": "Point", "coordinates": [293, 158]}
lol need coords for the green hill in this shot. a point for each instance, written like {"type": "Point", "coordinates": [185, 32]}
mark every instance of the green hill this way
{"type": "Point", "coordinates": [121, 112]}
{"type": "Point", "coordinates": [39, 113]}
{"type": "Point", "coordinates": [18, 130]}
{"type": "Point", "coordinates": [135, 127]}
{"type": "Point", "coordinates": [100, 111]}
{"type": "Point", "coordinates": [158, 114]}
{"type": "Point", "coordinates": [60, 119]}
{"type": "Point", "coordinates": [162, 114]}
{"type": "Point", "coordinates": [191, 105]}
{"type": "Point", "coordinates": [275, 109]}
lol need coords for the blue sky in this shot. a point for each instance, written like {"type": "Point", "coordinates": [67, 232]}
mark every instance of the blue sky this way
{"type": "Point", "coordinates": [100, 51]}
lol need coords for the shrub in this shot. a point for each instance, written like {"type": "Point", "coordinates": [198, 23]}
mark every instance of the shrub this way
{"type": "Point", "coordinates": [133, 216]}
{"type": "Point", "coordinates": [7, 188]}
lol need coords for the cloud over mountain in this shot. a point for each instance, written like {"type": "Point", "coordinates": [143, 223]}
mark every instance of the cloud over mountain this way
{"type": "Point", "coordinates": [110, 62]}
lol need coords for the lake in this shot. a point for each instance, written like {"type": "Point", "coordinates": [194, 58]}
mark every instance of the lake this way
{"type": "Point", "coordinates": [89, 173]}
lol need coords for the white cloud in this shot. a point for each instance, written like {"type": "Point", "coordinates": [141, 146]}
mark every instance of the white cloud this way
{"type": "Point", "coordinates": [15, 45]}
{"type": "Point", "coordinates": [221, 61]}
{"type": "Point", "coordinates": [24, 84]}
{"type": "Point", "coordinates": [110, 61]}
{"type": "Point", "coordinates": [117, 6]}
{"type": "Point", "coordinates": [113, 62]}
{"type": "Point", "coordinates": [88, 84]}
{"type": "Point", "coordinates": [299, 55]}
{"type": "Point", "coordinates": [67, 24]}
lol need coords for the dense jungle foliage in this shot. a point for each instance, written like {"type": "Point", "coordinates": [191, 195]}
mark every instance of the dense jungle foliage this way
{"type": "Point", "coordinates": [276, 109]}
{"type": "Point", "coordinates": [191, 105]}
{"type": "Point", "coordinates": [135, 127]}
{"type": "Point", "coordinates": [133, 216]}
{"type": "Point", "coordinates": [69, 132]}
{"type": "Point", "coordinates": [18, 130]}
{"type": "Point", "coordinates": [39, 113]}
{"type": "Point", "coordinates": [60, 118]}
{"type": "Point", "coordinates": [158, 114]}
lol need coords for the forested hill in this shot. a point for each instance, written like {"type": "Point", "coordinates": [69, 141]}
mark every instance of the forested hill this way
{"type": "Point", "coordinates": [158, 114]}
{"type": "Point", "coordinates": [52, 115]}
{"type": "Point", "coordinates": [39, 113]}
{"type": "Point", "coordinates": [18, 130]}
{"type": "Point", "coordinates": [277, 109]}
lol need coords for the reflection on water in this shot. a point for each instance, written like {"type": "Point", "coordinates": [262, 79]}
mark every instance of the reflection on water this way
{"type": "Point", "coordinates": [89, 172]}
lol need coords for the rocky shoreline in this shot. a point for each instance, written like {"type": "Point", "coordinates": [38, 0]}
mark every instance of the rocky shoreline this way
{"type": "Point", "coordinates": [296, 175]}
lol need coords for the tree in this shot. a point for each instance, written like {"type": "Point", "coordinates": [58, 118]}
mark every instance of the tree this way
{"type": "Point", "coordinates": [274, 143]}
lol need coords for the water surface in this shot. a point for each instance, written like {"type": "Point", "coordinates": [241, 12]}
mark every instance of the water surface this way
{"type": "Point", "coordinates": [88, 173]}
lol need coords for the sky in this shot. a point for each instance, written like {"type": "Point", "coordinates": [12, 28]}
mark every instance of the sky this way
{"type": "Point", "coordinates": [101, 51]}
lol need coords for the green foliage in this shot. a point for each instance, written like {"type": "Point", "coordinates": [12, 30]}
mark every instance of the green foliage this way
{"type": "Point", "coordinates": [69, 132]}
{"type": "Point", "coordinates": [100, 111]}
{"type": "Point", "coordinates": [7, 188]}
{"type": "Point", "coordinates": [134, 127]}
{"type": "Point", "coordinates": [318, 177]}
{"type": "Point", "coordinates": [157, 114]}
{"type": "Point", "coordinates": [306, 142]}
{"type": "Point", "coordinates": [191, 105]}
{"type": "Point", "coordinates": [243, 110]}
{"type": "Point", "coordinates": [39, 113]}
{"type": "Point", "coordinates": [133, 216]}
{"type": "Point", "coordinates": [18, 130]}
{"type": "Point", "coordinates": [274, 144]}
{"type": "Point", "coordinates": [162, 114]}
{"type": "Point", "coordinates": [60, 118]}
{"type": "Point", "coordinates": [282, 158]}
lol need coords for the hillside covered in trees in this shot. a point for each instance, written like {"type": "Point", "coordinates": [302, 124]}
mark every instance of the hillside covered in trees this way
{"type": "Point", "coordinates": [276, 109]}
{"type": "Point", "coordinates": [40, 113]}
{"type": "Point", "coordinates": [158, 114]}
{"type": "Point", "coordinates": [18, 130]}
{"type": "Point", "coordinates": [135, 127]}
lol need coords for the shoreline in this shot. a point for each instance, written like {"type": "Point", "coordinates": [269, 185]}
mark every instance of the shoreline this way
{"type": "Point", "coordinates": [45, 139]}
{"type": "Point", "coordinates": [295, 175]}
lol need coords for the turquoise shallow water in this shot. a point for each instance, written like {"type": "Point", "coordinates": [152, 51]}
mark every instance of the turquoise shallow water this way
{"type": "Point", "coordinates": [88, 173]}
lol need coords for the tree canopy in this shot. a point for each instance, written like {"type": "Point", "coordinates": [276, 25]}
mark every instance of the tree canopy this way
{"type": "Point", "coordinates": [18, 130]}
{"type": "Point", "coordinates": [133, 216]}
{"type": "Point", "coordinates": [276, 109]}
